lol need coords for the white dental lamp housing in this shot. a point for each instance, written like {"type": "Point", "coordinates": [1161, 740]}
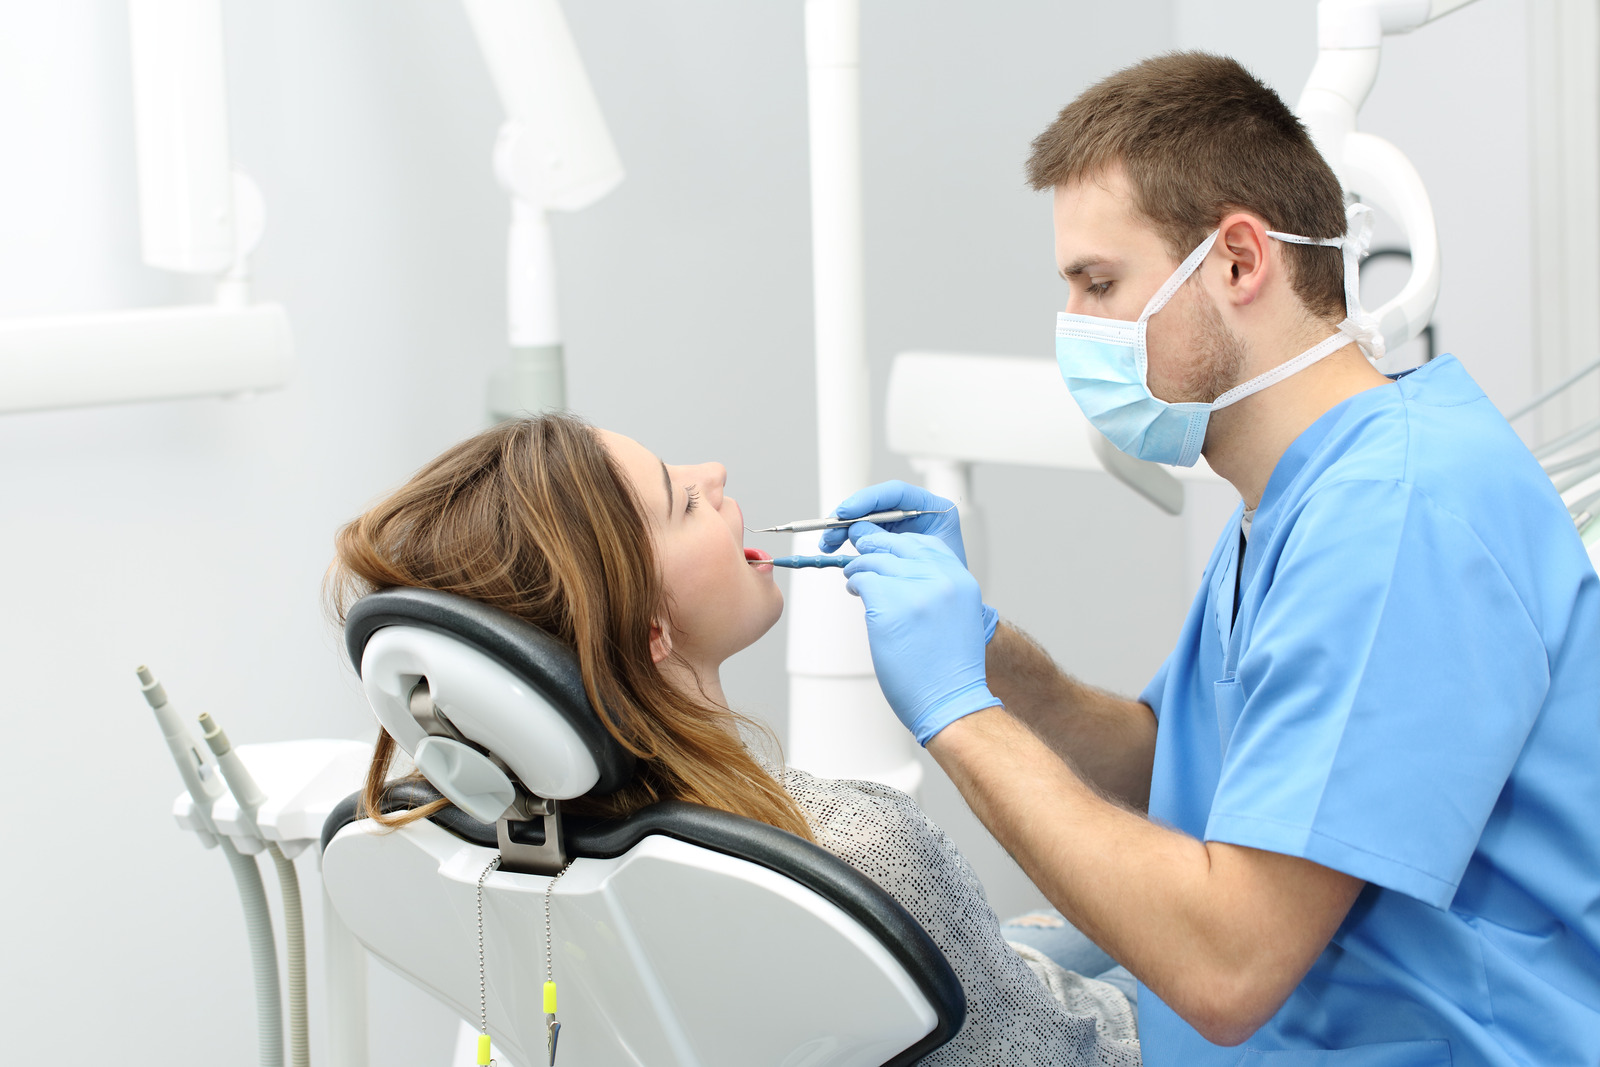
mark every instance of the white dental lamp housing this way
{"type": "Point", "coordinates": [198, 215]}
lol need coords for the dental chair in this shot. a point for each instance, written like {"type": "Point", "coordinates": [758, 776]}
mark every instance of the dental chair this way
{"type": "Point", "coordinates": [680, 935]}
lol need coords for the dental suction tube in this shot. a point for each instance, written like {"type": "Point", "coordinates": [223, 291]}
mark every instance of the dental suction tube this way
{"type": "Point", "coordinates": [249, 797]}
{"type": "Point", "coordinates": [205, 786]}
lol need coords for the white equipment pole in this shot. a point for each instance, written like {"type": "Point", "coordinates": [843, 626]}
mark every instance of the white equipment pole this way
{"type": "Point", "coordinates": [840, 726]}
{"type": "Point", "coordinates": [1564, 130]}
{"type": "Point", "coordinates": [198, 216]}
{"type": "Point", "coordinates": [554, 153]}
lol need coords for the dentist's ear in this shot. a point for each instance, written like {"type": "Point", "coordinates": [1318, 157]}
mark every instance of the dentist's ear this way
{"type": "Point", "coordinates": [660, 642]}
{"type": "Point", "coordinates": [1243, 242]}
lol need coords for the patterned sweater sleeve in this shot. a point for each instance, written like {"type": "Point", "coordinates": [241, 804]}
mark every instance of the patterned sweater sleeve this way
{"type": "Point", "coordinates": [1012, 1019]}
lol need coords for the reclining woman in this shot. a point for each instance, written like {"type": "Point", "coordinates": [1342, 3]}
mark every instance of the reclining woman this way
{"type": "Point", "coordinates": [640, 568]}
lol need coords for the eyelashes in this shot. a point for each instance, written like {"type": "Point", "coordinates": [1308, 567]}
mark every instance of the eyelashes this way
{"type": "Point", "coordinates": [694, 498]}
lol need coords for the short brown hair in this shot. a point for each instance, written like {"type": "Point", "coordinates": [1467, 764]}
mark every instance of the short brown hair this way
{"type": "Point", "coordinates": [1198, 136]}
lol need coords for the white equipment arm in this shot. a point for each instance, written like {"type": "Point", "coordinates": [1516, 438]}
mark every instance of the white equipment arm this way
{"type": "Point", "coordinates": [180, 108]}
{"type": "Point", "coordinates": [1349, 39]}
{"type": "Point", "coordinates": [560, 156]}
{"type": "Point", "coordinates": [554, 153]}
{"type": "Point", "coordinates": [198, 216]}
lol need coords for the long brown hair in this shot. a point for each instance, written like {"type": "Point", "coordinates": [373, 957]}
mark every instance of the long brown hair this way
{"type": "Point", "coordinates": [534, 518]}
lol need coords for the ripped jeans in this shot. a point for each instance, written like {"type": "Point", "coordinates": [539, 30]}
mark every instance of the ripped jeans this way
{"type": "Point", "coordinates": [1049, 932]}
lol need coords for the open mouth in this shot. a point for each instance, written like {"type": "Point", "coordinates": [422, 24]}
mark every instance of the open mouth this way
{"type": "Point", "coordinates": [758, 557]}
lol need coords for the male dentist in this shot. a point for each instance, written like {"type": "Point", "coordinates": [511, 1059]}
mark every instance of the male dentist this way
{"type": "Point", "coordinates": [1355, 817]}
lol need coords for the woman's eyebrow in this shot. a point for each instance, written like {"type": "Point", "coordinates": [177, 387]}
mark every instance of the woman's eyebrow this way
{"type": "Point", "coordinates": [666, 480]}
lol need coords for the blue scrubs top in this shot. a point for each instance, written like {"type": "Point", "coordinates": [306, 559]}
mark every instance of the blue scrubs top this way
{"type": "Point", "coordinates": [1410, 694]}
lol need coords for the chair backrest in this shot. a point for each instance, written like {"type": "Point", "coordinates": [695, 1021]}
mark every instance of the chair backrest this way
{"type": "Point", "coordinates": [680, 935]}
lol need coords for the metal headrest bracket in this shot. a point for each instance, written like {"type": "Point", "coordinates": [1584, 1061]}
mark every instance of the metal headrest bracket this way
{"type": "Point", "coordinates": [526, 850]}
{"type": "Point", "coordinates": [479, 782]}
{"type": "Point", "coordinates": [473, 778]}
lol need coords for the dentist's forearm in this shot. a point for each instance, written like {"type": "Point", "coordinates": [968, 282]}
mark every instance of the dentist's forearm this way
{"type": "Point", "coordinates": [1110, 741]}
{"type": "Point", "coordinates": [1221, 933]}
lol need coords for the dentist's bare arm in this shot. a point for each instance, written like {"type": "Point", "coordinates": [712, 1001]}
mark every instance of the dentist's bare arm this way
{"type": "Point", "coordinates": [1220, 932]}
{"type": "Point", "coordinates": [1110, 741]}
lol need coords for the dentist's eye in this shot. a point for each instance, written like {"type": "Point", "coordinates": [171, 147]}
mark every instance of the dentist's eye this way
{"type": "Point", "coordinates": [1098, 289]}
{"type": "Point", "coordinates": [693, 496]}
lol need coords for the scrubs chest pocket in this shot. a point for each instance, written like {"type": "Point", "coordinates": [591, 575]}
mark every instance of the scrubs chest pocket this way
{"type": "Point", "coordinates": [1229, 698]}
{"type": "Point", "coordinates": [1387, 1054]}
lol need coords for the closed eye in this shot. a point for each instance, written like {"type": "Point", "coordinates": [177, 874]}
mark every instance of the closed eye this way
{"type": "Point", "coordinates": [692, 495]}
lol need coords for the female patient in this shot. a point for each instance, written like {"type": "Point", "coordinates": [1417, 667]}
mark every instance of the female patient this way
{"type": "Point", "coordinates": [640, 567]}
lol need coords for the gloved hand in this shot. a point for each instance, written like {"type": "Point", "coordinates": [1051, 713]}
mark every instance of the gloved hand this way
{"type": "Point", "coordinates": [898, 496]}
{"type": "Point", "coordinates": [925, 623]}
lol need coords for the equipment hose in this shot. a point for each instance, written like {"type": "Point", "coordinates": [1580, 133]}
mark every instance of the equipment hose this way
{"type": "Point", "coordinates": [294, 934]}
{"type": "Point", "coordinates": [263, 952]}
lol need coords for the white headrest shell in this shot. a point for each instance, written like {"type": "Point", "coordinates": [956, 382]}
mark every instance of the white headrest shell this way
{"type": "Point", "coordinates": [466, 776]}
{"type": "Point", "coordinates": [485, 701]}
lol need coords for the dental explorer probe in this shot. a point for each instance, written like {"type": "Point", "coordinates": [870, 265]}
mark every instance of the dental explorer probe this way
{"type": "Point", "coordinates": [879, 517]}
{"type": "Point", "coordinates": [205, 785]}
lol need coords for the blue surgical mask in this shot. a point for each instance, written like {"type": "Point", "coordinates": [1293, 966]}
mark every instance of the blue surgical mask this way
{"type": "Point", "coordinates": [1106, 364]}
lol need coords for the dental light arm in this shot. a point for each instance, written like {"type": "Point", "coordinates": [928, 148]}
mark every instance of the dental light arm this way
{"type": "Point", "coordinates": [554, 153]}
{"type": "Point", "coordinates": [1349, 38]}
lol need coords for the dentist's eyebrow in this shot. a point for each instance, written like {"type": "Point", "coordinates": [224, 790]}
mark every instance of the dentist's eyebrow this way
{"type": "Point", "coordinates": [1078, 267]}
{"type": "Point", "coordinates": [666, 480]}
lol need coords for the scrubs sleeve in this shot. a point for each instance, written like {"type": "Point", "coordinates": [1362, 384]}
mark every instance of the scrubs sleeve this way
{"type": "Point", "coordinates": [1151, 697]}
{"type": "Point", "coordinates": [1386, 688]}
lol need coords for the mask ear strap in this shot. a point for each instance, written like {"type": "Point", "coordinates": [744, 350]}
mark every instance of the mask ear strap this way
{"type": "Point", "coordinates": [1179, 276]}
{"type": "Point", "coordinates": [1358, 324]}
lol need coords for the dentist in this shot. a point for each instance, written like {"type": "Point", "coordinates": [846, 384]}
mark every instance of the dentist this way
{"type": "Point", "coordinates": [1354, 819]}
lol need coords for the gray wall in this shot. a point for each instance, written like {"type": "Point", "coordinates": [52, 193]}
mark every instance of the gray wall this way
{"type": "Point", "coordinates": [192, 535]}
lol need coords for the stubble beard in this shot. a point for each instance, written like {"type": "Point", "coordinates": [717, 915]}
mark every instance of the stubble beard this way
{"type": "Point", "coordinates": [1221, 358]}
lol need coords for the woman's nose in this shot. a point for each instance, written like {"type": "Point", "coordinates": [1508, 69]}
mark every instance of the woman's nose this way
{"type": "Point", "coordinates": [715, 479]}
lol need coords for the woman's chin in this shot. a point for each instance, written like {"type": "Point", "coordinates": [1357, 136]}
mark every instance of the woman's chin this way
{"type": "Point", "coordinates": [776, 613]}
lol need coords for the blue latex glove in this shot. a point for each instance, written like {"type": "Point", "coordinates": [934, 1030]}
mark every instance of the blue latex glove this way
{"type": "Point", "coordinates": [901, 496]}
{"type": "Point", "coordinates": [925, 623]}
